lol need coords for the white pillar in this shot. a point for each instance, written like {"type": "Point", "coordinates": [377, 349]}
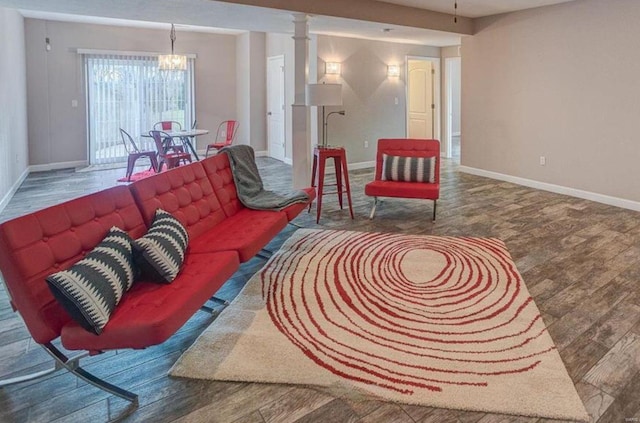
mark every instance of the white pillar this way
{"type": "Point", "coordinates": [301, 149]}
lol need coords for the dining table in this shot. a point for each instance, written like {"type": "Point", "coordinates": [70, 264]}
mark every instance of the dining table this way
{"type": "Point", "coordinates": [186, 136]}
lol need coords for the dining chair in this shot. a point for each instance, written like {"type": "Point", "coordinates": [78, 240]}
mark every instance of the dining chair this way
{"type": "Point", "coordinates": [134, 153]}
{"type": "Point", "coordinates": [167, 125]}
{"type": "Point", "coordinates": [165, 156]}
{"type": "Point", "coordinates": [225, 135]}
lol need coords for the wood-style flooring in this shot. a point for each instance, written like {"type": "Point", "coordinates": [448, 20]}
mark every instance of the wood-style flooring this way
{"type": "Point", "coordinates": [579, 259]}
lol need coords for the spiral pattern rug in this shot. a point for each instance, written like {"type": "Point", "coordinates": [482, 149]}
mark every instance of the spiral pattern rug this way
{"type": "Point", "coordinates": [436, 321]}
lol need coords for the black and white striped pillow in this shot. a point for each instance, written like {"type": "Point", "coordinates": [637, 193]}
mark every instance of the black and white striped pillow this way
{"type": "Point", "coordinates": [408, 169]}
{"type": "Point", "coordinates": [92, 288]}
{"type": "Point", "coordinates": [160, 252]}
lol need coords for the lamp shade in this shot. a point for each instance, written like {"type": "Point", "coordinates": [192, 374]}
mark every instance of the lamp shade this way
{"type": "Point", "coordinates": [324, 95]}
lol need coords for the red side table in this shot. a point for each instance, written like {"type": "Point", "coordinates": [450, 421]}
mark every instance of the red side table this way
{"type": "Point", "coordinates": [320, 156]}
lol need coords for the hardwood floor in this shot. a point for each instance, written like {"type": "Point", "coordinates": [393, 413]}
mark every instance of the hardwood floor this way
{"type": "Point", "coordinates": [579, 259]}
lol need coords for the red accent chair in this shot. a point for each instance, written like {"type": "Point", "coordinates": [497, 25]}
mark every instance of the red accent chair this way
{"type": "Point", "coordinates": [407, 148]}
{"type": "Point", "coordinates": [229, 128]}
{"type": "Point", "coordinates": [134, 153]}
{"type": "Point", "coordinates": [170, 159]}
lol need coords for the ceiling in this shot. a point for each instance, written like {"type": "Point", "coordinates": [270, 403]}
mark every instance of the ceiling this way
{"type": "Point", "coordinates": [217, 16]}
{"type": "Point", "coordinates": [475, 8]}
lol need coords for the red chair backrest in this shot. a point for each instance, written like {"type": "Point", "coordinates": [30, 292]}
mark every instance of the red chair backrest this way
{"type": "Point", "coordinates": [407, 147]}
{"type": "Point", "coordinates": [230, 128]}
{"type": "Point", "coordinates": [166, 126]}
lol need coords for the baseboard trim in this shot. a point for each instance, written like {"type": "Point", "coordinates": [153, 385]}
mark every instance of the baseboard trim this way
{"type": "Point", "coordinates": [57, 166]}
{"type": "Point", "coordinates": [262, 153]}
{"type": "Point", "coordinates": [558, 189]}
{"type": "Point", "coordinates": [9, 195]}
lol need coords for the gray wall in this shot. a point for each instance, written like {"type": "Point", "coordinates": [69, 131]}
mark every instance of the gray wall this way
{"type": "Point", "coordinates": [57, 131]}
{"type": "Point", "coordinates": [559, 82]}
{"type": "Point", "coordinates": [13, 104]}
{"type": "Point", "coordinates": [368, 94]}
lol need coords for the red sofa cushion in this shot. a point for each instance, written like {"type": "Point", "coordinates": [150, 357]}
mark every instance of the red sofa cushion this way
{"type": "Point", "coordinates": [218, 169]}
{"type": "Point", "coordinates": [186, 193]}
{"type": "Point", "coordinates": [151, 313]}
{"type": "Point", "coordinates": [246, 232]}
{"type": "Point", "coordinates": [46, 241]}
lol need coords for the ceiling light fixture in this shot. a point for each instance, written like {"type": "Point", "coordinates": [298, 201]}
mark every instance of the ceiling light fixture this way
{"type": "Point", "coordinates": [172, 61]}
{"type": "Point", "coordinates": [455, 11]}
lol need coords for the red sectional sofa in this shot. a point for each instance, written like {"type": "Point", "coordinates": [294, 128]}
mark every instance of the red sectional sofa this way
{"type": "Point", "coordinates": [202, 196]}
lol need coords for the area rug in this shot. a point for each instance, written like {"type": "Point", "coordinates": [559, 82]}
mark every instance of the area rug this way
{"type": "Point", "coordinates": [138, 175]}
{"type": "Point", "coordinates": [435, 321]}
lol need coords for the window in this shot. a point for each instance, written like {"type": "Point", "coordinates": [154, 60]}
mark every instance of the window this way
{"type": "Point", "coordinates": [131, 93]}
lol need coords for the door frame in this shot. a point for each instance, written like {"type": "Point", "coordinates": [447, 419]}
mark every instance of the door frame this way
{"type": "Point", "coordinates": [284, 110]}
{"type": "Point", "coordinates": [436, 94]}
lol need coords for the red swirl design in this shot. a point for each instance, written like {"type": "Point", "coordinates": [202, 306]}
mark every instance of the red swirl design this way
{"type": "Point", "coordinates": [405, 312]}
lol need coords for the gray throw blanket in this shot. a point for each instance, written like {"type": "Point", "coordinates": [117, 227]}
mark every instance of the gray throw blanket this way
{"type": "Point", "coordinates": [251, 192]}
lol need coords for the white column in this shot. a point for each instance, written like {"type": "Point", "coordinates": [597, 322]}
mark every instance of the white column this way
{"type": "Point", "coordinates": [301, 151]}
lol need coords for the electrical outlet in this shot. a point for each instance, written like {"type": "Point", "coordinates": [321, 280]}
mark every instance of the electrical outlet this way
{"type": "Point", "coordinates": [366, 144]}
{"type": "Point", "coordinates": [396, 101]}
{"type": "Point", "coordinates": [543, 160]}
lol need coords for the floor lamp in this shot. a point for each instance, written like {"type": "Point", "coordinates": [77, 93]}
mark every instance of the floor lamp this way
{"type": "Point", "coordinates": [325, 95]}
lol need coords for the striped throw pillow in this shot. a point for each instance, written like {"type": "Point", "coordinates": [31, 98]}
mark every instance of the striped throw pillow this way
{"type": "Point", "coordinates": [92, 288]}
{"type": "Point", "coordinates": [159, 254]}
{"type": "Point", "coordinates": [408, 169]}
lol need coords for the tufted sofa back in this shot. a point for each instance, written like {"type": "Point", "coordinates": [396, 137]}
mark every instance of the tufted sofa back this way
{"type": "Point", "coordinates": [50, 240]}
{"type": "Point", "coordinates": [218, 169]}
{"type": "Point", "coordinates": [186, 193]}
{"type": "Point", "coordinates": [409, 148]}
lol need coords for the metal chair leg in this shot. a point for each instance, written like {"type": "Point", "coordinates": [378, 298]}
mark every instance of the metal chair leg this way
{"type": "Point", "coordinates": [434, 209]}
{"type": "Point", "coordinates": [373, 209]}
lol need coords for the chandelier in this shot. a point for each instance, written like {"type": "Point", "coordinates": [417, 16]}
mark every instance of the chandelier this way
{"type": "Point", "coordinates": [172, 61]}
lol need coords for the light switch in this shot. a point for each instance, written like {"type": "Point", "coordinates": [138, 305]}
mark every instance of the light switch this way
{"type": "Point", "coordinates": [74, 103]}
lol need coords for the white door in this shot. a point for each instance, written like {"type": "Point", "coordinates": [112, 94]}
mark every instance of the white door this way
{"type": "Point", "coordinates": [275, 106]}
{"type": "Point", "coordinates": [420, 101]}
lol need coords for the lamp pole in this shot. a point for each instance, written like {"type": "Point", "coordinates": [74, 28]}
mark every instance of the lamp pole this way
{"type": "Point", "coordinates": [326, 125]}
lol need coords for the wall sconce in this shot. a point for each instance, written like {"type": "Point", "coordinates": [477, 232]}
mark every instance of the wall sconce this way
{"type": "Point", "coordinates": [393, 71]}
{"type": "Point", "coordinates": [332, 68]}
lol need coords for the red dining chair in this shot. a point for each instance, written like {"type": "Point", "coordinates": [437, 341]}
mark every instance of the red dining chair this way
{"type": "Point", "coordinates": [134, 153]}
{"type": "Point", "coordinates": [229, 128]}
{"type": "Point", "coordinates": [167, 125]}
{"type": "Point", "coordinates": [170, 159]}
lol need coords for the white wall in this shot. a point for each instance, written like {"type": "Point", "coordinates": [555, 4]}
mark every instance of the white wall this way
{"type": "Point", "coordinates": [13, 104]}
{"type": "Point", "coordinates": [369, 95]}
{"type": "Point", "coordinates": [57, 131]}
{"type": "Point", "coordinates": [559, 82]}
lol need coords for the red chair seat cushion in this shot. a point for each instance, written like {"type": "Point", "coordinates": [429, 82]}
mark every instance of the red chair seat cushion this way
{"type": "Point", "coordinates": [217, 145]}
{"type": "Point", "coordinates": [150, 313]}
{"type": "Point", "coordinates": [402, 190]}
{"type": "Point", "coordinates": [246, 232]}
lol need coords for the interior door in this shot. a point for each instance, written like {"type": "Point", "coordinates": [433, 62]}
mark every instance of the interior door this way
{"type": "Point", "coordinates": [275, 107]}
{"type": "Point", "coordinates": [421, 106]}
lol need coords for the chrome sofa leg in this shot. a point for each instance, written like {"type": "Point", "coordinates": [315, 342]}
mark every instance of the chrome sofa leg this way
{"type": "Point", "coordinates": [373, 209]}
{"type": "Point", "coordinates": [61, 361]}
